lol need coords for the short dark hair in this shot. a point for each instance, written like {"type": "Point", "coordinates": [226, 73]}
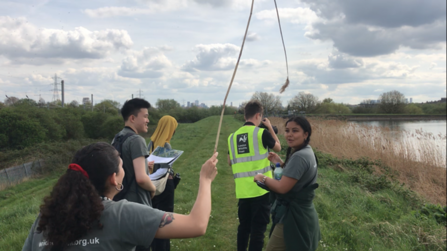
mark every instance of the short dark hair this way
{"type": "Point", "coordinates": [133, 106]}
{"type": "Point", "coordinates": [251, 108]}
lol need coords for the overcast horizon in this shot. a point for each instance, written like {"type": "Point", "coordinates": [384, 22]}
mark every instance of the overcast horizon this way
{"type": "Point", "coordinates": [186, 50]}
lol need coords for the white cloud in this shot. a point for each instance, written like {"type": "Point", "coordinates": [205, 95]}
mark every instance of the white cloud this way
{"type": "Point", "coordinates": [219, 57]}
{"type": "Point", "coordinates": [20, 40]}
{"type": "Point", "coordinates": [213, 57]}
{"type": "Point", "coordinates": [295, 15]}
{"type": "Point", "coordinates": [155, 6]}
{"type": "Point", "coordinates": [339, 61]}
{"type": "Point", "coordinates": [149, 63]}
{"type": "Point", "coordinates": [114, 11]}
{"type": "Point", "coordinates": [252, 37]}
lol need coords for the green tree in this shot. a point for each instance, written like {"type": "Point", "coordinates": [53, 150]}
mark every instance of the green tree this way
{"type": "Point", "coordinates": [305, 102]}
{"type": "Point", "coordinates": [392, 102]}
{"type": "Point", "coordinates": [93, 122]}
{"type": "Point", "coordinates": [108, 106]}
{"type": "Point", "coordinates": [25, 102]}
{"type": "Point", "coordinates": [328, 100]}
{"type": "Point", "coordinates": [164, 105]}
{"type": "Point", "coordinates": [70, 120]}
{"type": "Point", "coordinates": [74, 103]}
{"type": "Point", "coordinates": [111, 126]}
{"type": "Point", "coordinates": [18, 131]}
{"type": "Point", "coordinates": [270, 102]}
{"type": "Point", "coordinates": [10, 100]}
{"type": "Point", "coordinates": [413, 109]}
{"type": "Point", "coordinates": [332, 108]}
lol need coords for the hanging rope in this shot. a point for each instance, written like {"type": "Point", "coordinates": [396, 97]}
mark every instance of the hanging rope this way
{"type": "Point", "coordinates": [237, 64]}
{"type": "Point", "coordinates": [283, 88]}
{"type": "Point", "coordinates": [232, 78]}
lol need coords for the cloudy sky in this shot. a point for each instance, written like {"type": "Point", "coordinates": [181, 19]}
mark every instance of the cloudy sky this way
{"type": "Point", "coordinates": [347, 50]}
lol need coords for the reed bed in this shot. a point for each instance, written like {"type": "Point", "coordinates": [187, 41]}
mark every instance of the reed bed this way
{"type": "Point", "coordinates": [417, 158]}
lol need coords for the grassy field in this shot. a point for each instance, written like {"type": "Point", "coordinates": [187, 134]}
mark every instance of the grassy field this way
{"type": "Point", "coordinates": [358, 208]}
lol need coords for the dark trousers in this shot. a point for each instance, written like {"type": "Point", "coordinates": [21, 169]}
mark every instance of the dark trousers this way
{"type": "Point", "coordinates": [165, 202]}
{"type": "Point", "coordinates": [253, 216]}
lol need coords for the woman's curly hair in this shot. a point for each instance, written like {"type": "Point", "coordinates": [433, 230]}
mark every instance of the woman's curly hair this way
{"type": "Point", "coordinates": [305, 125]}
{"type": "Point", "coordinates": [74, 206]}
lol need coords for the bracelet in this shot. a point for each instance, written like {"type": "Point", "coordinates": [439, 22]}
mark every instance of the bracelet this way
{"type": "Point", "coordinates": [263, 179]}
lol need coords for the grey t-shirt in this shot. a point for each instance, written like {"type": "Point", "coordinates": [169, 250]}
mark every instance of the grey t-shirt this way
{"type": "Point", "coordinates": [125, 225]}
{"type": "Point", "coordinates": [302, 166]}
{"type": "Point", "coordinates": [134, 147]}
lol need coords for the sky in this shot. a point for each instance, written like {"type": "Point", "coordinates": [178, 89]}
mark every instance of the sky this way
{"type": "Point", "coordinates": [186, 50]}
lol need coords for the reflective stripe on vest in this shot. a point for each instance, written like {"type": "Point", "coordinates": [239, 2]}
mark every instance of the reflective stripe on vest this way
{"type": "Point", "coordinates": [257, 156]}
{"type": "Point", "coordinates": [252, 173]}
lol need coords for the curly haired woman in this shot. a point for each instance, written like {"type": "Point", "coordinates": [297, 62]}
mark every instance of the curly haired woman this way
{"type": "Point", "coordinates": [79, 214]}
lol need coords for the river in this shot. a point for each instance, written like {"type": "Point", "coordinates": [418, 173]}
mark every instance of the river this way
{"type": "Point", "coordinates": [415, 132]}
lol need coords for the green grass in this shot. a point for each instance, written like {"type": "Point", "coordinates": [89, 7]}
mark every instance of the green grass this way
{"type": "Point", "coordinates": [358, 210]}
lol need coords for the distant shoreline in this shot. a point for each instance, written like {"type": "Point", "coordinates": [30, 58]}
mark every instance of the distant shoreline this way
{"type": "Point", "coordinates": [381, 117]}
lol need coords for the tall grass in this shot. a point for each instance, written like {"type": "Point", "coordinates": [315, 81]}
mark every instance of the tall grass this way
{"type": "Point", "coordinates": [416, 159]}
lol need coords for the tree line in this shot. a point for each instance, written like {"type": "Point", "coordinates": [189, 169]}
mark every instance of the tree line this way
{"type": "Point", "coordinates": [393, 102]}
{"type": "Point", "coordinates": [25, 123]}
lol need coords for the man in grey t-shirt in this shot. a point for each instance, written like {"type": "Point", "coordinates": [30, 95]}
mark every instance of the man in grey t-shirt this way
{"type": "Point", "coordinates": [134, 151]}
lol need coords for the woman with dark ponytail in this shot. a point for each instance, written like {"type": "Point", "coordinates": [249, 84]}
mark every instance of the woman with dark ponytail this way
{"type": "Point", "coordinates": [79, 214]}
{"type": "Point", "coordinates": [295, 220]}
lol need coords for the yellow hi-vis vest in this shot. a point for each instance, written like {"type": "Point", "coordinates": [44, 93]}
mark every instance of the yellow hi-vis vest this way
{"type": "Point", "coordinates": [248, 157]}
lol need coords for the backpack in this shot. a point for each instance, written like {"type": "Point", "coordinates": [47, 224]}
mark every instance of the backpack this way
{"type": "Point", "coordinates": [118, 142]}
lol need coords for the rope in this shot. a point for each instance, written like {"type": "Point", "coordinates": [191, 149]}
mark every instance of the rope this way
{"type": "Point", "coordinates": [237, 64]}
{"type": "Point", "coordinates": [283, 88]}
{"type": "Point", "coordinates": [232, 78]}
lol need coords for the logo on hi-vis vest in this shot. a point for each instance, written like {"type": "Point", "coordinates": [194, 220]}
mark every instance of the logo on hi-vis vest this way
{"type": "Point", "coordinates": [242, 143]}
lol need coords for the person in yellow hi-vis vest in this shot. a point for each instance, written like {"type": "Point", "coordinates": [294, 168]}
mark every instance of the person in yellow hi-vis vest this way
{"type": "Point", "coordinates": [248, 152]}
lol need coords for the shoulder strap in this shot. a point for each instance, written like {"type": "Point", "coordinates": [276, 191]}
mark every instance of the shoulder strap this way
{"type": "Point", "coordinates": [119, 140]}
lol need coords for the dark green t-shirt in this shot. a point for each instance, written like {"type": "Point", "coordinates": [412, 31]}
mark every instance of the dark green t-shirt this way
{"type": "Point", "coordinates": [126, 225]}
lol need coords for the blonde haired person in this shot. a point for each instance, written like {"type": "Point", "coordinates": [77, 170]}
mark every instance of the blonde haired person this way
{"type": "Point", "coordinates": [165, 201]}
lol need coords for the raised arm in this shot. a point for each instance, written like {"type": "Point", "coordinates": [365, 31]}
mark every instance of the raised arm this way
{"type": "Point", "coordinates": [187, 226]}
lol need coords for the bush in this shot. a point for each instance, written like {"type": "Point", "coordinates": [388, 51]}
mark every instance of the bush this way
{"type": "Point", "coordinates": [18, 131]}
{"type": "Point", "coordinates": [413, 109]}
{"type": "Point", "coordinates": [70, 120]}
{"type": "Point", "coordinates": [111, 127]}
{"type": "Point", "coordinates": [46, 118]}
{"type": "Point", "coordinates": [93, 122]}
{"type": "Point", "coordinates": [437, 212]}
